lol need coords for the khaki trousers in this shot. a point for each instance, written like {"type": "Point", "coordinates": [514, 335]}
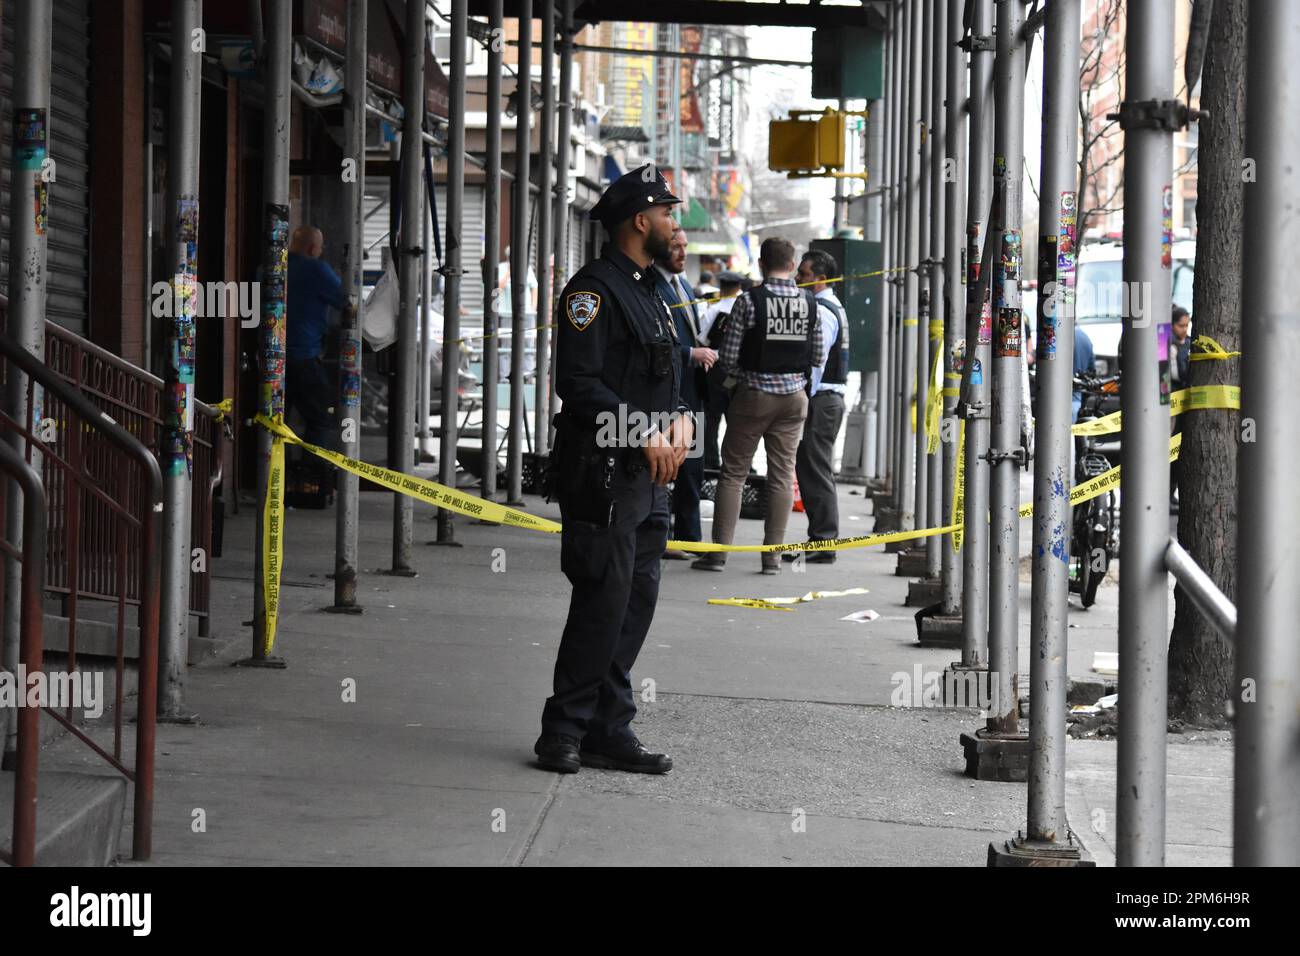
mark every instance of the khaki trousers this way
{"type": "Point", "coordinates": [778, 421]}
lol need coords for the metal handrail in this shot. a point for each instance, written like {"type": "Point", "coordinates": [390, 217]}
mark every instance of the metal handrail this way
{"type": "Point", "coordinates": [1205, 594]}
{"type": "Point", "coordinates": [30, 652]}
{"type": "Point", "coordinates": [115, 434]}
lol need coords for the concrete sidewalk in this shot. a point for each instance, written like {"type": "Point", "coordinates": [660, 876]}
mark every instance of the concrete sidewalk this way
{"type": "Point", "coordinates": [786, 749]}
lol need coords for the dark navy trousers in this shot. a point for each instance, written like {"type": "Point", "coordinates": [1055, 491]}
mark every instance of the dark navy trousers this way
{"type": "Point", "coordinates": [615, 576]}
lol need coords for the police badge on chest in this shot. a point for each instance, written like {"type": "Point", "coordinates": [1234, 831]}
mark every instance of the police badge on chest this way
{"type": "Point", "coordinates": [582, 308]}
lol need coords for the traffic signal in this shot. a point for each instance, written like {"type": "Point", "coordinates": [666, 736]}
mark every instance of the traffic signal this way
{"type": "Point", "coordinates": [793, 145]}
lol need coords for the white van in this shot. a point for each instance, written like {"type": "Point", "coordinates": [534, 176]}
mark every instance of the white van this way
{"type": "Point", "coordinates": [1100, 295]}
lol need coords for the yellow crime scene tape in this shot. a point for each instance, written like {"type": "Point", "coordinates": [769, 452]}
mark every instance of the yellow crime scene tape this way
{"type": "Point", "coordinates": [272, 528]}
{"type": "Point", "coordinates": [452, 499]}
{"type": "Point", "coordinates": [785, 603]}
{"type": "Point", "coordinates": [1196, 396]}
{"type": "Point", "coordinates": [1210, 349]}
{"type": "Point", "coordinates": [933, 407]}
{"type": "Point", "coordinates": [959, 487]}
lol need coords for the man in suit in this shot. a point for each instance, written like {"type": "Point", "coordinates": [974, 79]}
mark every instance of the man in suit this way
{"type": "Point", "coordinates": [696, 361]}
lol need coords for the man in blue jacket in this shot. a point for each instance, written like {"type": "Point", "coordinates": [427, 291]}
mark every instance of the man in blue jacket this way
{"type": "Point", "coordinates": [313, 289]}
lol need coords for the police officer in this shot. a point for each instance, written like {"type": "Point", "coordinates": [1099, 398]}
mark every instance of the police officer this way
{"type": "Point", "coordinates": [621, 437]}
{"type": "Point", "coordinates": [815, 461]}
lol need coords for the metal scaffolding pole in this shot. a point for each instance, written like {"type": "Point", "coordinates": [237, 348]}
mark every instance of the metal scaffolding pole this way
{"type": "Point", "coordinates": [27, 286]}
{"type": "Point", "coordinates": [519, 256]}
{"type": "Point", "coordinates": [905, 489]}
{"type": "Point", "coordinates": [887, 503]}
{"type": "Point", "coordinates": [1052, 439]}
{"type": "Point", "coordinates": [1005, 453]}
{"type": "Point", "coordinates": [402, 404]}
{"type": "Point", "coordinates": [179, 357]}
{"type": "Point", "coordinates": [877, 466]}
{"type": "Point", "coordinates": [349, 404]}
{"type": "Point", "coordinates": [452, 265]}
{"type": "Point", "coordinates": [492, 252]}
{"type": "Point", "coordinates": [545, 146]}
{"type": "Point", "coordinates": [562, 161]}
{"type": "Point", "coordinates": [953, 298]}
{"type": "Point", "coordinates": [275, 243]}
{"type": "Point", "coordinates": [1266, 813]}
{"type": "Point", "coordinates": [1144, 519]}
{"type": "Point", "coordinates": [428, 287]}
{"type": "Point", "coordinates": [938, 236]}
{"type": "Point", "coordinates": [838, 219]}
{"type": "Point", "coordinates": [921, 228]}
{"type": "Point", "coordinates": [975, 382]}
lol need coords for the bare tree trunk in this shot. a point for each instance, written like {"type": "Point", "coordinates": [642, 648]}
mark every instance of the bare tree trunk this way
{"type": "Point", "coordinates": [1200, 661]}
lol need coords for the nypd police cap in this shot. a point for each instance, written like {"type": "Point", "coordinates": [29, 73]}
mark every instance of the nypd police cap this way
{"type": "Point", "coordinates": [632, 193]}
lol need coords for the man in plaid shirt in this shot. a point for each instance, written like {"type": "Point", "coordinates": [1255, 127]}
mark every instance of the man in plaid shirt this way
{"type": "Point", "coordinates": [772, 342]}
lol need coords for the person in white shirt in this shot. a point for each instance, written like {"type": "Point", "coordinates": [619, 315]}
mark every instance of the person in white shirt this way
{"type": "Point", "coordinates": [815, 461]}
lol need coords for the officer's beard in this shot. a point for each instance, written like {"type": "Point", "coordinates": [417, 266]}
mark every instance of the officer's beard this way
{"type": "Point", "coordinates": [659, 248]}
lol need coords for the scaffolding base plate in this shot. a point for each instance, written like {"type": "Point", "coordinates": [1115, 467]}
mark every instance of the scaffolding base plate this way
{"type": "Point", "coordinates": [924, 592]}
{"type": "Point", "coordinates": [1004, 758]}
{"type": "Point", "coordinates": [1019, 852]}
{"type": "Point", "coordinates": [912, 562]}
{"type": "Point", "coordinates": [966, 686]}
{"type": "Point", "coordinates": [940, 630]}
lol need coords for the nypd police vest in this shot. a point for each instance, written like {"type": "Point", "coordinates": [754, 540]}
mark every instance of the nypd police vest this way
{"type": "Point", "coordinates": [837, 363]}
{"type": "Point", "coordinates": [781, 337]}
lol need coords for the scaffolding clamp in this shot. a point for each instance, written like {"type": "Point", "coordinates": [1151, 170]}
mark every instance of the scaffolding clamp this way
{"type": "Point", "coordinates": [1018, 454]}
{"type": "Point", "coordinates": [448, 271]}
{"type": "Point", "coordinates": [977, 44]}
{"type": "Point", "coordinates": [1168, 115]}
{"type": "Point", "coordinates": [973, 410]}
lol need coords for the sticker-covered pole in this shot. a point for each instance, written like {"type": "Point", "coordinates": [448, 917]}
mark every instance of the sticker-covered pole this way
{"type": "Point", "coordinates": [954, 304]}
{"type": "Point", "coordinates": [1266, 828]}
{"type": "Point", "coordinates": [349, 405]}
{"type": "Point", "coordinates": [177, 446]}
{"type": "Point", "coordinates": [1006, 453]}
{"type": "Point", "coordinates": [975, 408]}
{"type": "Point", "coordinates": [30, 169]}
{"type": "Point", "coordinates": [275, 276]}
{"type": "Point", "coordinates": [1052, 479]}
{"type": "Point", "coordinates": [1144, 518]}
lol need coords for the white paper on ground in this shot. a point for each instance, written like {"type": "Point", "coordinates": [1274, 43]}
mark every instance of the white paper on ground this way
{"type": "Point", "coordinates": [861, 617]}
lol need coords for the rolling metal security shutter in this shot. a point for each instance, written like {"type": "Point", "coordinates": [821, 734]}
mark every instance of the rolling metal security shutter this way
{"type": "Point", "coordinates": [68, 234]}
{"type": "Point", "coordinates": [471, 249]}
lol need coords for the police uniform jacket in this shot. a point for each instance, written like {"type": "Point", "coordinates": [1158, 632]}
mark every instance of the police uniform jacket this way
{"type": "Point", "coordinates": [616, 346]}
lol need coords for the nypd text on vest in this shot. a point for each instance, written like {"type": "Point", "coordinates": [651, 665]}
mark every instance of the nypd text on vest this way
{"type": "Point", "coordinates": [787, 318]}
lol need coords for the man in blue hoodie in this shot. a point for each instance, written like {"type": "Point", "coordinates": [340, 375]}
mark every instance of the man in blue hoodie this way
{"type": "Point", "coordinates": [313, 289]}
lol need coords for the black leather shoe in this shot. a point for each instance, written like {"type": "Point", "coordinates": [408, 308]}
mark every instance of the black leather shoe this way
{"type": "Point", "coordinates": [629, 755]}
{"type": "Point", "coordinates": [819, 557]}
{"type": "Point", "coordinates": [558, 752]}
{"type": "Point", "coordinates": [788, 556]}
{"type": "Point", "coordinates": [708, 564]}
